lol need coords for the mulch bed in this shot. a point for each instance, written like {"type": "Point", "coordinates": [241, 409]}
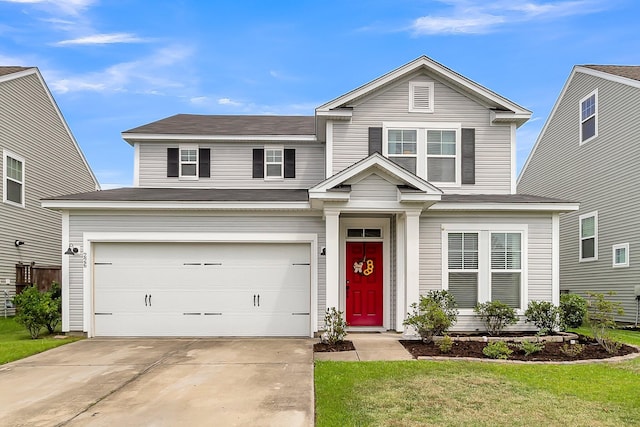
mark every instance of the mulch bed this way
{"type": "Point", "coordinates": [341, 346]}
{"type": "Point", "coordinates": [550, 353]}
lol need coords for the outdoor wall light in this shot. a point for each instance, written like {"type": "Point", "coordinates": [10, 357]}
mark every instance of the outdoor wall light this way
{"type": "Point", "coordinates": [18, 243]}
{"type": "Point", "coordinates": [72, 250]}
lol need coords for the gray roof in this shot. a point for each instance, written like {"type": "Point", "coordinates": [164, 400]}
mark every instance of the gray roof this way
{"type": "Point", "coordinates": [499, 198]}
{"type": "Point", "coordinates": [628, 71]}
{"type": "Point", "coordinates": [188, 195]}
{"type": "Point", "coordinates": [5, 70]}
{"type": "Point", "coordinates": [195, 124]}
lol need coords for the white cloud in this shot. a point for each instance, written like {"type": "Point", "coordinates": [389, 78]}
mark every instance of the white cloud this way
{"type": "Point", "coordinates": [470, 17]}
{"type": "Point", "coordinates": [102, 39]}
{"type": "Point", "coordinates": [199, 100]}
{"type": "Point", "coordinates": [228, 101]}
{"type": "Point", "coordinates": [67, 7]}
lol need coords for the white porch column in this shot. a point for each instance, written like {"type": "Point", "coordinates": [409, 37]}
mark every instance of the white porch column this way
{"type": "Point", "coordinates": [401, 307]}
{"type": "Point", "coordinates": [555, 259]}
{"type": "Point", "coordinates": [412, 256]}
{"type": "Point", "coordinates": [332, 289]}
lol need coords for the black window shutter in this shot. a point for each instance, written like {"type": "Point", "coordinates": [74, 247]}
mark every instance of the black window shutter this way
{"type": "Point", "coordinates": [258, 163]}
{"type": "Point", "coordinates": [468, 156]}
{"type": "Point", "coordinates": [289, 163]}
{"type": "Point", "coordinates": [375, 140]}
{"type": "Point", "coordinates": [204, 163]}
{"type": "Point", "coordinates": [172, 162]}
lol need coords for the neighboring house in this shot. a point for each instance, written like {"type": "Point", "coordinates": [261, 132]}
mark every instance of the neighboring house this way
{"type": "Point", "coordinates": [38, 158]}
{"type": "Point", "coordinates": [588, 151]}
{"type": "Point", "coordinates": [254, 225]}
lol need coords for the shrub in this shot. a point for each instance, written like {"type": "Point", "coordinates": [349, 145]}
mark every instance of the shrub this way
{"type": "Point", "coordinates": [544, 315]}
{"type": "Point", "coordinates": [35, 310]}
{"type": "Point", "coordinates": [572, 350]}
{"type": "Point", "coordinates": [53, 312]}
{"type": "Point", "coordinates": [434, 315]}
{"type": "Point", "coordinates": [497, 350]}
{"type": "Point", "coordinates": [446, 344]}
{"type": "Point", "coordinates": [335, 326]}
{"type": "Point", "coordinates": [600, 316]}
{"type": "Point", "coordinates": [573, 308]}
{"type": "Point", "coordinates": [496, 316]}
{"type": "Point", "coordinates": [529, 347]}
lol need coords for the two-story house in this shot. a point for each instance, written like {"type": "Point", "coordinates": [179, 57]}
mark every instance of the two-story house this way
{"type": "Point", "coordinates": [39, 157]}
{"type": "Point", "coordinates": [254, 225]}
{"type": "Point", "coordinates": [574, 157]}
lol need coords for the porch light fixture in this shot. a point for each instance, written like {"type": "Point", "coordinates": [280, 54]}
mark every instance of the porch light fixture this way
{"type": "Point", "coordinates": [18, 243]}
{"type": "Point", "coordinates": [72, 250]}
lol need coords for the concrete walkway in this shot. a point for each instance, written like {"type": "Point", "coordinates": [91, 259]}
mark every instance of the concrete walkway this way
{"type": "Point", "coordinates": [369, 347]}
{"type": "Point", "coordinates": [162, 382]}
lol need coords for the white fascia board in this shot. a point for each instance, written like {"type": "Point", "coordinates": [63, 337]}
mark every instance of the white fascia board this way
{"type": "Point", "coordinates": [18, 74]}
{"type": "Point", "coordinates": [337, 114]}
{"type": "Point", "coordinates": [611, 77]}
{"type": "Point", "coordinates": [417, 197]}
{"type": "Point", "coordinates": [329, 196]}
{"type": "Point", "coordinates": [540, 207]}
{"type": "Point", "coordinates": [510, 117]}
{"type": "Point", "coordinates": [131, 137]}
{"type": "Point", "coordinates": [87, 204]}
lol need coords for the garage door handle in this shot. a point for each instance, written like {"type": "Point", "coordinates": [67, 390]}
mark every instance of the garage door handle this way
{"type": "Point", "coordinates": [149, 300]}
{"type": "Point", "coordinates": [145, 299]}
{"type": "Point", "coordinates": [299, 314]}
{"type": "Point", "coordinates": [258, 300]}
{"type": "Point", "coordinates": [254, 300]}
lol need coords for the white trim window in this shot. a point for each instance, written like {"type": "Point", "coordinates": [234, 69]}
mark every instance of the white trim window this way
{"type": "Point", "coordinates": [273, 163]}
{"type": "Point", "coordinates": [483, 263]}
{"type": "Point", "coordinates": [421, 97]}
{"type": "Point", "coordinates": [589, 117]}
{"type": "Point", "coordinates": [463, 268]}
{"type": "Point", "coordinates": [189, 162]}
{"type": "Point", "coordinates": [620, 255]}
{"type": "Point", "coordinates": [13, 179]}
{"type": "Point", "coordinates": [589, 237]}
{"type": "Point", "coordinates": [432, 151]}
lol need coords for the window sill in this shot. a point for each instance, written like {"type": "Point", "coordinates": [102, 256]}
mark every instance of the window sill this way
{"type": "Point", "coordinates": [14, 204]}
{"type": "Point", "coordinates": [621, 266]}
{"type": "Point", "coordinates": [588, 259]}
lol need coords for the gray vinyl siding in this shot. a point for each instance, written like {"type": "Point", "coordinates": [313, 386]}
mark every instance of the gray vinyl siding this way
{"type": "Point", "coordinates": [231, 166]}
{"type": "Point", "coordinates": [186, 222]}
{"type": "Point", "coordinates": [374, 187]}
{"type": "Point", "coordinates": [539, 246]}
{"type": "Point", "coordinates": [602, 175]}
{"type": "Point", "coordinates": [493, 142]}
{"type": "Point", "coordinates": [31, 128]}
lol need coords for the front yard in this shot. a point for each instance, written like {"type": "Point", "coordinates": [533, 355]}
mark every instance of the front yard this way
{"type": "Point", "coordinates": [479, 394]}
{"type": "Point", "coordinates": [15, 342]}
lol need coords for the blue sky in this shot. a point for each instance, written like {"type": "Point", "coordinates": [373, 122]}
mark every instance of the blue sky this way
{"type": "Point", "coordinates": [114, 65]}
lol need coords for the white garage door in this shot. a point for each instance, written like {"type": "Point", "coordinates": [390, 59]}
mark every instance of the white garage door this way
{"type": "Point", "coordinates": [201, 289]}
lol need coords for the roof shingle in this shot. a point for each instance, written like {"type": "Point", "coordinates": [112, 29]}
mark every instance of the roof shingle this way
{"type": "Point", "coordinates": [6, 70]}
{"type": "Point", "coordinates": [628, 71]}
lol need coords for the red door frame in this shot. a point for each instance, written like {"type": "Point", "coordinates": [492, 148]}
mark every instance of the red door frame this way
{"type": "Point", "coordinates": [364, 282]}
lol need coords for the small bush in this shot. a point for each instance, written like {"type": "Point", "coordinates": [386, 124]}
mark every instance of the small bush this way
{"type": "Point", "coordinates": [572, 350]}
{"type": "Point", "coordinates": [573, 308]}
{"type": "Point", "coordinates": [496, 316]}
{"type": "Point", "coordinates": [335, 326]}
{"type": "Point", "coordinates": [544, 315]}
{"type": "Point", "coordinates": [434, 315]}
{"type": "Point", "coordinates": [35, 310]}
{"type": "Point", "coordinates": [497, 350]}
{"type": "Point", "coordinates": [53, 313]}
{"type": "Point", "coordinates": [529, 347]}
{"type": "Point", "coordinates": [446, 344]}
{"type": "Point", "coordinates": [600, 316]}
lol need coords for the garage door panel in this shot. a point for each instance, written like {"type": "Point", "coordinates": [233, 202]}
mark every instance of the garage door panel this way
{"type": "Point", "coordinates": [203, 289]}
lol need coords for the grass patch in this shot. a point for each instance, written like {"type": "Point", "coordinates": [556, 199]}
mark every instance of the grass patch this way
{"type": "Point", "coordinates": [479, 394]}
{"type": "Point", "coordinates": [15, 342]}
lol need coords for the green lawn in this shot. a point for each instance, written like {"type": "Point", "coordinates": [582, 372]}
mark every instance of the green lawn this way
{"type": "Point", "coordinates": [479, 394]}
{"type": "Point", "coordinates": [15, 342]}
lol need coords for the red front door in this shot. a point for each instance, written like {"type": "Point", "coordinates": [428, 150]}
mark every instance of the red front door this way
{"type": "Point", "coordinates": [364, 283]}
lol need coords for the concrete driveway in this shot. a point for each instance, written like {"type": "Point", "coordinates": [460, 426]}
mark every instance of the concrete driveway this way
{"type": "Point", "coordinates": [162, 382]}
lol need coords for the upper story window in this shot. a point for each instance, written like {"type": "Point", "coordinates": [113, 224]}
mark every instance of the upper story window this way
{"type": "Point", "coordinates": [188, 162]}
{"type": "Point", "coordinates": [273, 163]}
{"type": "Point", "coordinates": [432, 153]}
{"type": "Point", "coordinates": [421, 97]}
{"type": "Point", "coordinates": [589, 237]}
{"type": "Point", "coordinates": [13, 179]}
{"type": "Point", "coordinates": [588, 117]}
{"type": "Point", "coordinates": [621, 255]}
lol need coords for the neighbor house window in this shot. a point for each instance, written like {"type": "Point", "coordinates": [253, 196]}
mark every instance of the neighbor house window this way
{"type": "Point", "coordinates": [188, 162]}
{"type": "Point", "coordinates": [589, 237]}
{"type": "Point", "coordinates": [621, 255]}
{"type": "Point", "coordinates": [273, 163]}
{"type": "Point", "coordinates": [506, 268]}
{"type": "Point", "coordinates": [441, 155]}
{"type": "Point", "coordinates": [403, 148]}
{"type": "Point", "coordinates": [463, 268]}
{"type": "Point", "coordinates": [13, 179]}
{"type": "Point", "coordinates": [588, 117]}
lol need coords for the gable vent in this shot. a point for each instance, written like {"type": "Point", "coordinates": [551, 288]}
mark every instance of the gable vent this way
{"type": "Point", "coordinates": [421, 97]}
